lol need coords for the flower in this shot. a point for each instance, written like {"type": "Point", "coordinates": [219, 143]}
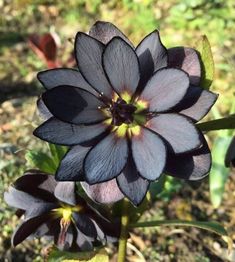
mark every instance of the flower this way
{"type": "Point", "coordinates": [128, 114]}
{"type": "Point", "coordinates": [230, 154]}
{"type": "Point", "coordinates": [53, 209]}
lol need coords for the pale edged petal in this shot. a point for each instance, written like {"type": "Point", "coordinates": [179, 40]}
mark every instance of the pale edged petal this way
{"type": "Point", "coordinates": [39, 208]}
{"type": "Point", "coordinates": [179, 131]}
{"type": "Point", "coordinates": [83, 242]}
{"type": "Point", "coordinates": [106, 160]}
{"type": "Point", "coordinates": [104, 193]}
{"type": "Point", "coordinates": [133, 186]}
{"type": "Point", "coordinates": [152, 56]}
{"type": "Point", "coordinates": [121, 66]}
{"type": "Point", "coordinates": [73, 105]}
{"type": "Point", "coordinates": [190, 166]}
{"type": "Point", "coordinates": [88, 53]}
{"type": "Point", "coordinates": [61, 133]}
{"type": "Point", "coordinates": [64, 77]}
{"type": "Point", "coordinates": [65, 192]}
{"type": "Point", "coordinates": [165, 89]}
{"type": "Point", "coordinates": [42, 110]}
{"type": "Point", "coordinates": [149, 154]}
{"type": "Point", "coordinates": [196, 103]}
{"type": "Point", "coordinates": [187, 59]}
{"type": "Point", "coordinates": [105, 31]}
{"type": "Point", "coordinates": [71, 166]}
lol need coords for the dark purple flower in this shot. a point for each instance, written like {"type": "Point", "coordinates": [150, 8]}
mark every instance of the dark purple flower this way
{"type": "Point", "coordinates": [128, 114]}
{"type": "Point", "coordinates": [230, 154]}
{"type": "Point", "coordinates": [54, 209]}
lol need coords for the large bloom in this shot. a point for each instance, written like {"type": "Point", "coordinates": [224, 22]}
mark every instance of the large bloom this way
{"type": "Point", "coordinates": [53, 209]}
{"type": "Point", "coordinates": [128, 114]}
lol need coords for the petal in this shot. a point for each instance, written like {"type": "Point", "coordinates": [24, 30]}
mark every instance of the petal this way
{"type": "Point", "coordinates": [38, 209]}
{"type": "Point", "coordinates": [61, 133]}
{"type": "Point", "coordinates": [73, 105]}
{"type": "Point", "coordinates": [64, 77]}
{"type": "Point", "coordinates": [43, 111]}
{"type": "Point", "coordinates": [132, 185]}
{"type": "Point", "coordinates": [104, 193]}
{"type": "Point", "coordinates": [149, 154]}
{"type": "Point", "coordinates": [121, 66]}
{"type": "Point", "coordinates": [83, 242]}
{"type": "Point", "coordinates": [65, 192]}
{"type": "Point", "coordinates": [230, 154]}
{"type": "Point", "coordinates": [106, 160]}
{"type": "Point", "coordinates": [89, 59]}
{"type": "Point", "coordinates": [191, 166]}
{"type": "Point", "coordinates": [71, 166]}
{"type": "Point", "coordinates": [85, 225]}
{"type": "Point", "coordinates": [187, 59]}
{"type": "Point", "coordinates": [165, 89]}
{"type": "Point", "coordinates": [177, 130]}
{"type": "Point", "coordinates": [152, 56]}
{"type": "Point", "coordinates": [196, 103]}
{"type": "Point", "coordinates": [26, 228]}
{"type": "Point", "coordinates": [105, 31]}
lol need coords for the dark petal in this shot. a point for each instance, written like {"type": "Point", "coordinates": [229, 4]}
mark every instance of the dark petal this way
{"type": "Point", "coordinates": [149, 154]}
{"type": "Point", "coordinates": [26, 228]}
{"type": "Point", "coordinates": [71, 166]}
{"type": "Point", "coordinates": [165, 89]}
{"type": "Point", "coordinates": [64, 77]}
{"type": "Point", "coordinates": [106, 160]}
{"type": "Point", "coordinates": [132, 185]}
{"type": "Point", "coordinates": [83, 242]}
{"type": "Point", "coordinates": [85, 225]}
{"type": "Point", "coordinates": [105, 193]}
{"type": "Point", "coordinates": [121, 66]}
{"type": "Point", "coordinates": [42, 110]}
{"type": "Point", "coordinates": [191, 166]}
{"type": "Point", "coordinates": [186, 59]}
{"type": "Point", "coordinates": [152, 56]}
{"type": "Point", "coordinates": [61, 133]}
{"type": "Point", "coordinates": [38, 209]}
{"type": "Point", "coordinates": [230, 154]}
{"type": "Point", "coordinates": [66, 192]}
{"type": "Point", "coordinates": [105, 31]}
{"type": "Point", "coordinates": [177, 130]}
{"type": "Point", "coordinates": [196, 103]}
{"type": "Point", "coordinates": [89, 59]}
{"type": "Point", "coordinates": [73, 105]}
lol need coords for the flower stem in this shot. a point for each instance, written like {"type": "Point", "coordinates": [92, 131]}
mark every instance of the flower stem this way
{"type": "Point", "coordinates": [124, 232]}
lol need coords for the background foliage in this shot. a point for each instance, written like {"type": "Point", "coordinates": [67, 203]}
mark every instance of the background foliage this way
{"type": "Point", "coordinates": [181, 23]}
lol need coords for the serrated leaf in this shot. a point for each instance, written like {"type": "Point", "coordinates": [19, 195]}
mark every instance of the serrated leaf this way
{"type": "Point", "coordinates": [64, 256]}
{"type": "Point", "coordinates": [219, 173]}
{"type": "Point", "coordinates": [207, 62]}
{"type": "Point", "coordinates": [41, 161]}
{"type": "Point", "coordinates": [214, 227]}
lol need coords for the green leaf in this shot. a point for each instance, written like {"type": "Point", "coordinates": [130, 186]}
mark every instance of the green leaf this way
{"type": "Point", "coordinates": [92, 256]}
{"type": "Point", "coordinates": [57, 152]}
{"type": "Point", "coordinates": [218, 124]}
{"type": "Point", "coordinates": [214, 227]}
{"type": "Point", "coordinates": [219, 173]}
{"type": "Point", "coordinates": [207, 62]}
{"type": "Point", "coordinates": [41, 161]}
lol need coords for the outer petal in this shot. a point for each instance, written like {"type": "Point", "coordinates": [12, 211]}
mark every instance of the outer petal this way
{"type": "Point", "coordinates": [43, 111]}
{"type": "Point", "coordinates": [165, 89]}
{"type": "Point", "coordinates": [191, 166]}
{"type": "Point", "coordinates": [105, 193]}
{"type": "Point", "coordinates": [152, 56]}
{"type": "Point", "coordinates": [132, 185]}
{"type": "Point", "coordinates": [106, 160]}
{"type": "Point", "coordinates": [121, 66]}
{"type": "Point", "coordinates": [177, 130]}
{"type": "Point", "coordinates": [186, 59]}
{"type": "Point", "coordinates": [149, 154]}
{"type": "Point", "coordinates": [58, 132]}
{"type": "Point", "coordinates": [230, 154]}
{"type": "Point", "coordinates": [196, 103]}
{"type": "Point", "coordinates": [105, 31]}
{"type": "Point", "coordinates": [73, 105]}
{"type": "Point", "coordinates": [83, 242]}
{"type": "Point", "coordinates": [65, 192]}
{"type": "Point", "coordinates": [71, 166]}
{"type": "Point", "coordinates": [64, 77]}
{"type": "Point", "coordinates": [89, 59]}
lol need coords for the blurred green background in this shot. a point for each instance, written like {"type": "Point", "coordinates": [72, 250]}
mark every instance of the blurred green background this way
{"type": "Point", "coordinates": [180, 23]}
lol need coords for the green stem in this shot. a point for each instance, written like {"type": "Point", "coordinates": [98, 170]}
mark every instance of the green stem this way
{"type": "Point", "coordinates": [124, 232]}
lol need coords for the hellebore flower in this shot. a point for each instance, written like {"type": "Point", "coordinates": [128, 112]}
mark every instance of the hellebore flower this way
{"type": "Point", "coordinates": [53, 209]}
{"type": "Point", "coordinates": [230, 154]}
{"type": "Point", "coordinates": [128, 114]}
